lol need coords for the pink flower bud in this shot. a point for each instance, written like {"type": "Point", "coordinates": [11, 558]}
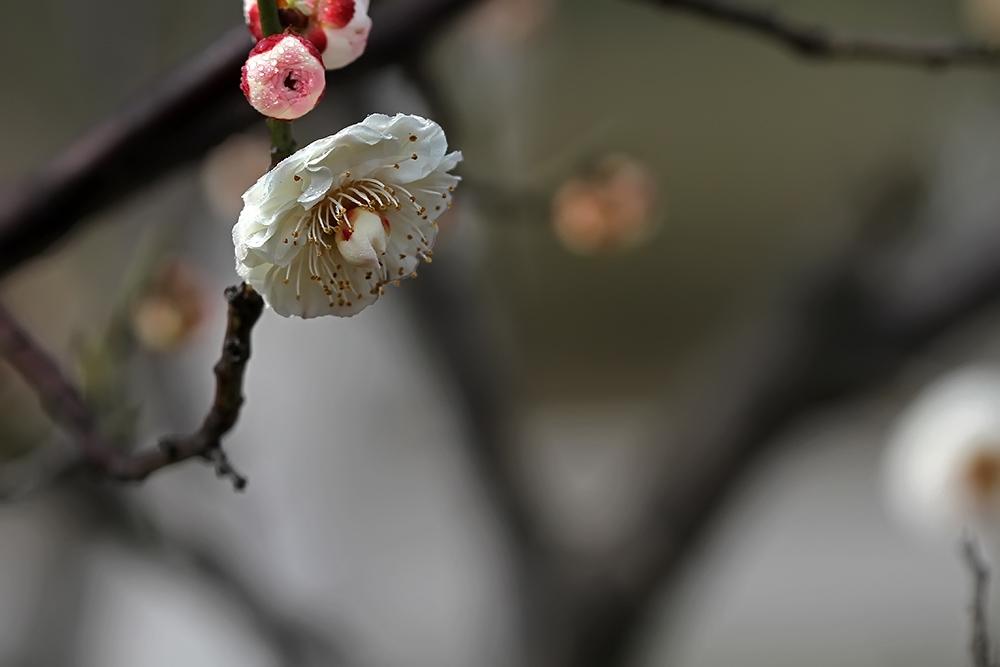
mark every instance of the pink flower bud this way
{"type": "Point", "coordinates": [283, 77]}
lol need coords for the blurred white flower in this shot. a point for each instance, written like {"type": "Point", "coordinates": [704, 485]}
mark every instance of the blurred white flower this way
{"type": "Point", "coordinates": [338, 28]}
{"type": "Point", "coordinates": [327, 228]}
{"type": "Point", "coordinates": [942, 469]}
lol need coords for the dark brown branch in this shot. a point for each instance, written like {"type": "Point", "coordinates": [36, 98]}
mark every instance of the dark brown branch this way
{"type": "Point", "coordinates": [980, 646]}
{"type": "Point", "coordinates": [245, 307]}
{"type": "Point", "coordinates": [175, 122]}
{"type": "Point", "coordinates": [820, 43]}
{"type": "Point", "coordinates": [66, 406]}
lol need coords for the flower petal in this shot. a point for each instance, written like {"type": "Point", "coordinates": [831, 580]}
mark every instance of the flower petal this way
{"type": "Point", "coordinates": [318, 181]}
{"type": "Point", "coordinates": [296, 226]}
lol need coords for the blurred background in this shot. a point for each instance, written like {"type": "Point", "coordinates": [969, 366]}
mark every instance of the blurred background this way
{"type": "Point", "coordinates": [540, 452]}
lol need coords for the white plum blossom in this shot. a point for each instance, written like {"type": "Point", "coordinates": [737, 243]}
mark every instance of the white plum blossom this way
{"type": "Point", "coordinates": [338, 28]}
{"type": "Point", "coordinates": [942, 467]}
{"type": "Point", "coordinates": [325, 230]}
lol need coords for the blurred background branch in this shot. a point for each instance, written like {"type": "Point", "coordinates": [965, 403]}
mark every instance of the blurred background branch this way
{"type": "Point", "coordinates": [981, 646]}
{"type": "Point", "coordinates": [822, 43]}
{"type": "Point", "coordinates": [297, 641]}
{"type": "Point", "coordinates": [841, 332]}
{"type": "Point", "coordinates": [68, 408]}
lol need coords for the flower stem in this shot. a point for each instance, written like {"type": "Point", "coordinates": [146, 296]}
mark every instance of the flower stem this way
{"type": "Point", "coordinates": [282, 141]}
{"type": "Point", "coordinates": [270, 24]}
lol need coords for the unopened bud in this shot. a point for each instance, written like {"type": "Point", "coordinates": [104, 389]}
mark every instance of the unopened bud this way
{"type": "Point", "coordinates": [283, 77]}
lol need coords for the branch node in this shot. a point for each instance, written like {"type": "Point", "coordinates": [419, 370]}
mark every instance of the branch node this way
{"type": "Point", "coordinates": [224, 468]}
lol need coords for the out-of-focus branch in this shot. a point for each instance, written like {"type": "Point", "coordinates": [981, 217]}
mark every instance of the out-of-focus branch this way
{"type": "Point", "coordinates": [176, 122]}
{"type": "Point", "coordinates": [980, 645]}
{"type": "Point", "coordinates": [821, 43]}
{"type": "Point", "coordinates": [840, 333]}
{"type": "Point", "coordinates": [296, 640]}
{"type": "Point", "coordinates": [66, 406]}
{"type": "Point", "coordinates": [60, 399]}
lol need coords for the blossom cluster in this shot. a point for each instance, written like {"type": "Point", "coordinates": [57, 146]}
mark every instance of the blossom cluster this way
{"type": "Point", "coordinates": [285, 74]}
{"type": "Point", "coordinates": [329, 227]}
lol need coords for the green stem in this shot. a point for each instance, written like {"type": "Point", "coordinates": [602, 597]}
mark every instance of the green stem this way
{"type": "Point", "coordinates": [270, 24]}
{"type": "Point", "coordinates": [282, 141]}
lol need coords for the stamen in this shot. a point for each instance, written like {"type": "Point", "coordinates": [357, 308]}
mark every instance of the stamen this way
{"type": "Point", "coordinates": [364, 196]}
{"type": "Point", "coordinates": [323, 222]}
{"type": "Point", "coordinates": [350, 198]}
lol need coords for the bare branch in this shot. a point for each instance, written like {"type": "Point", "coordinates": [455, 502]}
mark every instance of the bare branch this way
{"type": "Point", "coordinates": [60, 399]}
{"type": "Point", "coordinates": [820, 43]}
{"type": "Point", "coordinates": [980, 646]}
{"type": "Point", "coordinates": [297, 639]}
{"type": "Point", "coordinates": [66, 406]}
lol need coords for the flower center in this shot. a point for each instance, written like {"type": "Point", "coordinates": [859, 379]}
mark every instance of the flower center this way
{"type": "Point", "coordinates": [332, 215]}
{"type": "Point", "coordinates": [348, 224]}
{"type": "Point", "coordinates": [982, 474]}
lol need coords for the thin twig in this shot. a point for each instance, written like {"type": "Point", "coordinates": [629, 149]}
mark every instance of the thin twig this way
{"type": "Point", "coordinates": [59, 397]}
{"type": "Point", "coordinates": [820, 43]}
{"type": "Point", "coordinates": [297, 640]}
{"type": "Point", "coordinates": [66, 406]}
{"type": "Point", "coordinates": [980, 645]}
